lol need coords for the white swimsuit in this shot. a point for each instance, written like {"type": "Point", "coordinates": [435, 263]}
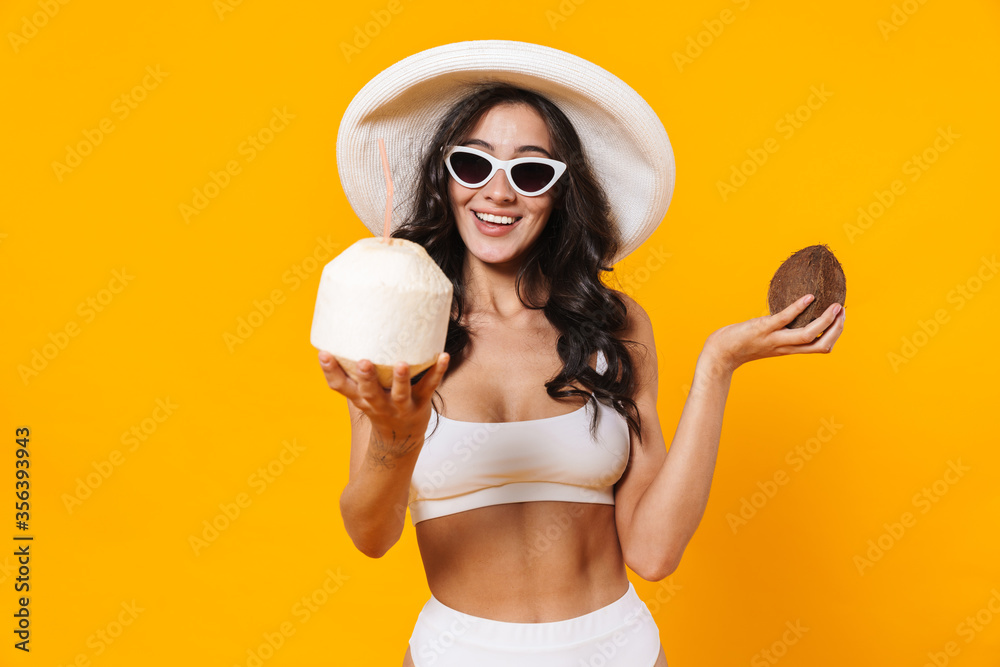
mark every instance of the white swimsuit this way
{"type": "Point", "coordinates": [467, 465]}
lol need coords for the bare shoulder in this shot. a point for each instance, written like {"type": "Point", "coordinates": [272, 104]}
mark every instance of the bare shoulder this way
{"type": "Point", "coordinates": [638, 337]}
{"type": "Point", "coordinates": [639, 327]}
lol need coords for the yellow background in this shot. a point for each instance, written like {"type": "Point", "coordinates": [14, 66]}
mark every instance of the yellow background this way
{"type": "Point", "coordinates": [225, 68]}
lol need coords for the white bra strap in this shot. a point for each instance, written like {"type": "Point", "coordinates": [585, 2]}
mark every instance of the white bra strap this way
{"type": "Point", "coordinates": [602, 363]}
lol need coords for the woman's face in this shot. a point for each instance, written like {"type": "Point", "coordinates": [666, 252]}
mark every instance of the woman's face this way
{"type": "Point", "coordinates": [506, 131]}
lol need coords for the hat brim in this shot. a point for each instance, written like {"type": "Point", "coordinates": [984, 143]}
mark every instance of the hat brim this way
{"type": "Point", "coordinates": [623, 138]}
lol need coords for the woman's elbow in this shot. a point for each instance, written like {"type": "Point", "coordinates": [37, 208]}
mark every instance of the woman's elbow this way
{"type": "Point", "coordinates": [371, 540]}
{"type": "Point", "coordinates": [372, 546]}
{"type": "Point", "coordinates": [658, 572]}
{"type": "Point", "coordinates": [654, 567]}
{"type": "Point", "coordinates": [373, 550]}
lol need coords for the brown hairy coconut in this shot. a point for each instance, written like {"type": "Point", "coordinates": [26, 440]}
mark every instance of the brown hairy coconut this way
{"type": "Point", "coordinates": [812, 270]}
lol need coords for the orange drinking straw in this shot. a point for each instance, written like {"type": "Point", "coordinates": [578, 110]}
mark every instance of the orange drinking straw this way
{"type": "Point", "coordinates": [388, 190]}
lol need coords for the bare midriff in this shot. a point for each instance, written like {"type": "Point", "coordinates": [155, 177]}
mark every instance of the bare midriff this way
{"type": "Point", "coordinates": [529, 562]}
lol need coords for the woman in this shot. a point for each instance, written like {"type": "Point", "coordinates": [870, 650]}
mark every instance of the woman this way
{"type": "Point", "coordinates": [544, 471]}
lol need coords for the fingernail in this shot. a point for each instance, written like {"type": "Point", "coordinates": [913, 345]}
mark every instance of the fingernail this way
{"type": "Point", "coordinates": [809, 297]}
{"type": "Point", "coordinates": [324, 359]}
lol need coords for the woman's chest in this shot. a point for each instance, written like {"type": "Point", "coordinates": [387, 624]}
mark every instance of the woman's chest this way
{"type": "Point", "coordinates": [502, 379]}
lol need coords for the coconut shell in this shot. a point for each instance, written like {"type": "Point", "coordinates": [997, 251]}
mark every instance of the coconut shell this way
{"type": "Point", "coordinates": [383, 372]}
{"type": "Point", "coordinates": [812, 270]}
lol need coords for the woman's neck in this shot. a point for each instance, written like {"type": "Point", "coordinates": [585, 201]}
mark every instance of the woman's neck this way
{"type": "Point", "coordinates": [491, 289]}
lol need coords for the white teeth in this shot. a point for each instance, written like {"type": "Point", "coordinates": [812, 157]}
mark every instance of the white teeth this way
{"type": "Point", "coordinates": [502, 219]}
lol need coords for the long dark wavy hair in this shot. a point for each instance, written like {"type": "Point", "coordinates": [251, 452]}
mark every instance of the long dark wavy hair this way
{"type": "Point", "coordinates": [579, 241]}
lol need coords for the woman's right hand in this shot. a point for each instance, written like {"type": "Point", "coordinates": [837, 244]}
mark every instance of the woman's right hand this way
{"type": "Point", "coordinates": [397, 412]}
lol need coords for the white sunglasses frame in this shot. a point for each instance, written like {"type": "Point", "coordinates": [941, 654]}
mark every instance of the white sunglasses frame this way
{"type": "Point", "coordinates": [496, 165]}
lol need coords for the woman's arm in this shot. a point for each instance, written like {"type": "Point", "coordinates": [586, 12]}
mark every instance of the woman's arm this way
{"type": "Point", "coordinates": [664, 494]}
{"type": "Point", "coordinates": [670, 509]}
{"type": "Point", "coordinates": [373, 503]}
{"type": "Point", "coordinates": [387, 433]}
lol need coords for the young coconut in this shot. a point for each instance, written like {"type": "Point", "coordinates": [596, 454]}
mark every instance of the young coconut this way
{"type": "Point", "coordinates": [387, 302]}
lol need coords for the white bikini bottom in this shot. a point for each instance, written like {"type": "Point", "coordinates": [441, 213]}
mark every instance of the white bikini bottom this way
{"type": "Point", "coordinates": [622, 634]}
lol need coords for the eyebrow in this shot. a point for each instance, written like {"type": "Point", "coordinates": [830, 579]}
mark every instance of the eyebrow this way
{"type": "Point", "coordinates": [522, 149]}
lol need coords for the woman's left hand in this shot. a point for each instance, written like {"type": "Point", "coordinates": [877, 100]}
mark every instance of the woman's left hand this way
{"type": "Point", "coordinates": [761, 337]}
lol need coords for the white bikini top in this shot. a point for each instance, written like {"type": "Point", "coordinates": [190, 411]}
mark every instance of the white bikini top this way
{"type": "Point", "coordinates": [466, 465]}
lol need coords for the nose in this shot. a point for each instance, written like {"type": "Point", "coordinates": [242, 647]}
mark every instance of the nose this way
{"type": "Point", "coordinates": [498, 189]}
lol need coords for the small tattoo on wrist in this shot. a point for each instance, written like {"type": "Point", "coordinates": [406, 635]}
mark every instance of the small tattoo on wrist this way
{"type": "Point", "coordinates": [383, 455]}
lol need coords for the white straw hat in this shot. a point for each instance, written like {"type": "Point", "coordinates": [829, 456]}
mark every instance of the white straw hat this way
{"type": "Point", "coordinates": [623, 138]}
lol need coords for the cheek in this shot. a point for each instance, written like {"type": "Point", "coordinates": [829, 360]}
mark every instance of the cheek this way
{"type": "Point", "coordinates": [458, 195]}
{"type": "Point", "coordinates": [454, 205]}
{"type": "Point", "coordinates": [542, 208]}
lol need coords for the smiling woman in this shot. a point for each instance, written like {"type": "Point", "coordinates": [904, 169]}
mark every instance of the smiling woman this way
{"type": "Point", "coordinates": [505, 201]}
{"type": "Point", "coordinates": [549, 474]}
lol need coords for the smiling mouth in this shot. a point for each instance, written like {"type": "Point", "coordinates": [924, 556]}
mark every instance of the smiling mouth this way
{"type": "Point", "coordinates": [496, 219]}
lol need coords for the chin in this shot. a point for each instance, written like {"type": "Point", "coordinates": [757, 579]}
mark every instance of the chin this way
{"type": "Point", "coordinates": [489, 255]}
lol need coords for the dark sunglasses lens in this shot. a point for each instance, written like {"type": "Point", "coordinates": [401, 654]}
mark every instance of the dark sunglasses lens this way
{"type": "Point", "coordinates": [532, 176]}
{"type": "Point", "coordinates": [470, 168]}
